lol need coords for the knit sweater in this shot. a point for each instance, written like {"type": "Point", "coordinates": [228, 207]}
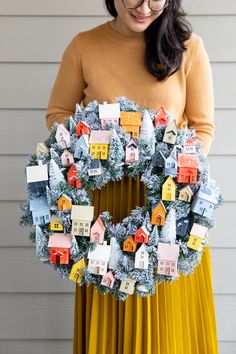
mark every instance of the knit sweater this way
{"type": "Point", "coordinates": [101, 64]}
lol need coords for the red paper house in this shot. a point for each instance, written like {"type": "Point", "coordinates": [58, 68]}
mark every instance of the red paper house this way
{"type": "Point", "coordinates": [82, 128]}
{"type": "Point", "coordinates": [141, 235]}
{"type": "Point", "coordinates": [59, 245]}
{"type": "Point", "coordinates": [72, 177]}
{"type": "Point", "coordinates": [161, 118]}
{"type": "Point", "coordinates": [188, 168]}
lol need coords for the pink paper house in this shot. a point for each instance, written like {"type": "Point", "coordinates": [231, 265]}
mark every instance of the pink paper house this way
{"type": "Point", "coordinates": [97, 231]}
{"type": "Point", "coordinates": [131, 152]}
{"type": "Point", "coordinates": [62, 136]}
{"type": "Point", "coordinates": [167, 260]}
{"type": "Point", "coordinates": [67, 158]}
{"type": "Point", "coordinates": [108, 279]}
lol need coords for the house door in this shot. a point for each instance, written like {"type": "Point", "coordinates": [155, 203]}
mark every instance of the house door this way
{"type": "Point", "coordinates": [81, 231]}
{"type": "Point", "coordinates": [42, 220]}
{"type": "Point", "coordinates": [168, 195]}
{"type": "Point", "coordinates": [96, 270]}
{"type": "Point", "coordinates": [167, 270]}
{"type": "Point", "coordinates": [132, 156]}
{"type": "Point", "coordinates": [158, 220]}
{"type": "Point", "coordinates": [58, 258]}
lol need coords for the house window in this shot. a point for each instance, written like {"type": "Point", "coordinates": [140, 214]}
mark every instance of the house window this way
{"type": "Point", "coordinates": [86, 230]}
{"type": "Point", "coordinates": [63, 201]}
{"type": "Point", "coordinates": [86, 224]}
{"type": "Point", "coordinates": [36, 218]}
{"type": "Point", "coordinates": [81, 230]}
{"type": "Point", "coordinates": [92, 262]}
{"type": "Point", "coordinates": [99, 147]}
{"type": "Point", "coordinates": [173, 264]}
{"type": "Point", "coordinates": [75, 230]}
{"type": "Point", "coordinates": [103, 263]}
{"type": "Point", "coordinates": [167, 263]}
{"type": "Point", "coordinates": [47, 217]}
{"type": "Point", "coordinates": [80, 224]}
{"type": "Point", "coordinates": [75, 223]}
{"type": "Point", "coordinates": [161, 269]}
{"type": "Point", "coordinates": [104, 147]}
{"type": "Point", "coordinates": [201, 202]}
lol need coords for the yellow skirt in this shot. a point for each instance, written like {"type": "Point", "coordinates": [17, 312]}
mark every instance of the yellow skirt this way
{"type": "Point", "coordinates": [178, 319]}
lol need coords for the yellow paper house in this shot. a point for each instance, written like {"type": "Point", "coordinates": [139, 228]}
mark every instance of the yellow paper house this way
{"type": "Point", "coordinates": [99, 144]}
{"type": "Point", "coordinates": [197, 235]}
{"type": "Point", "coordinates": [168, 190]}
{"type": "Point", "coordinates": [131, 122]}
{"type": "Point", "coordinates": [76, 273]}
{"type": "Point", "coordinates": [55, 224]}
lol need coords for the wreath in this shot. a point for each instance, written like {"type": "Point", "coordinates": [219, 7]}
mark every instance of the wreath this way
{"type": "Point", "coordinates": [156, 242]}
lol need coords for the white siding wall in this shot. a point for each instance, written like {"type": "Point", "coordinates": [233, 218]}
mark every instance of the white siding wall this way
{"type": "Point", "coordinates": [36, 306]}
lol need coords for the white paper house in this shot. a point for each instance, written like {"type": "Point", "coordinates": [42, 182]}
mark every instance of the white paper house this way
{"type": "Point", "coordinates": [199, 230]}
{"type": "Point", "coordinates": [109, 113]}
{"type": "Point", "coordinates": [62, 136]}
{"type": "Point", "coordinates": [98, 259]}
{"type": "Point", "coordinates": [141, 258]}
{"type": "Point", "coordinates": [37, 176]}
{"type": "Point", "coordinates": [81, 217]}
{"type": "Point", "coordinates": [127, 286]}
{"type": "Point", "coordinates": [41, 149]}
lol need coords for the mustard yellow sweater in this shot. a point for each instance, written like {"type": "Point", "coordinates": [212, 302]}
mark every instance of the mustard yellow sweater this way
{"type": "Point", "coordinates": [102, 64]}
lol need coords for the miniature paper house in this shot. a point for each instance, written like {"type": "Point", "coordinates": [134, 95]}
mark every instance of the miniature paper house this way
{"type": "Point", "coordinates": [129, 245]}
{"type": "Point", "coordinates": [141, 235]}
{"type": "Point", "coordinates": [81, 217]}
{"type": "Point", "coordinates": [108, 279]}
{"type": "Point", "coordinates": [62, 136]}
{"type": "Point", "coordinates": [185, 194]}
{"type": "Point", "coordinates": [204, 201]}
{"type": "Point", "coordinates": [64, 202]}
{"type": "Point", "coordinates": [109, 113]}
{"type": "Point", "coordinates": [158, 214]}
{"type": "Point", "coordinates": [158, 160]}
{"type": "Point", "coordinates": [131, 152]}
{"type": "Point", "coordinates": [97, 231]}
{"type": "Point", "coordinates": [98, 259]}
{"type": "Point", "coordinates": [77, 270]}
{"type": "Point", "coordinates": [95, 168]}
{"type": "Point", "coordinates": [99, 143]}
{"type": "Point", "coordinates": [82, 147]}
{"type": "Point", "coordinates": [188, 168]}
{"type": "Point", "coordinates": [131, 122]}
{"type": "Point", "coordinates": [37, 177]}
{"type": "Point", "coordinates": [182, 226]}
{"type": "Point", "coordinates": [55, 224]}
{"type": "Point", "coordinates": [73, 178]}
{"type": "Point", "coordinates": [40, 210]}
{"type": "Point", "coordinates": [82, 128]}
{"type": "Point", "coordinates": [127, 286]}
{"type": "Point", "coordinates": [170, 134]}
{"type": "Point", "coordinates": [197, 235]}
{"type": "Point", "coordinates": [41, 149]}
{"type": "Point", "coordinates": [141, 258]}
{"type": "Point", "coordinates": [59, 245]}
{"type": "Point", "coordinates": [67, 158]}
{"type": "Point", "coordinates": [171, 164]}
{"type": "Point", "coordinates": [161, 118]}
{"type": "Point", "coordinates": [167, 259]}
{"type": "Point", "coordinates": [190, 146]}
{"type": "Point", "coordinates": [168, 190]}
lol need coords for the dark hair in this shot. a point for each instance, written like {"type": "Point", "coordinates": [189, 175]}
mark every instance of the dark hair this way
{"type": "Point", "coordinates": [164, 39]}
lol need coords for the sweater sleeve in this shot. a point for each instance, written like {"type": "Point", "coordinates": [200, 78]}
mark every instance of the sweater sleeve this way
{"type": "Point", "coordinates": [199, 108]}
{"type": "Point", "coordinates": [68, 87]}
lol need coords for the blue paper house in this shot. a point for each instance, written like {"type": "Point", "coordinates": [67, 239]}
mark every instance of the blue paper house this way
{"type": "Point", "coordinates": [182, 226]}
{"type": "Point", "coordinates": [204, 201]}
{"type": "Point", "coordinates": [171, 165]}
{"type": "Point", "coordinates": [81, 147]}
{"type": "Point", "coordinates": [40, 210]}
{"type": "Point", "coordinates": [158, 160]}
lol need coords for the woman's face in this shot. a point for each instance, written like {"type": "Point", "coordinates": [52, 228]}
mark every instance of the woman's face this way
{"type": "Point", "coordinates": [134, 21]}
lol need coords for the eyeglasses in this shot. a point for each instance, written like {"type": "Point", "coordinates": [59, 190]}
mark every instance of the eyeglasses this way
{"type": "Point", "coordinates": [154, 5]}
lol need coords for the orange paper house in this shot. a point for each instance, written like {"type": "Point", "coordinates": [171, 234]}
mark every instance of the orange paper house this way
{"type": "Point", "coordinates": [161, 118]}
{"type": "Point", "coordinates": [141, 235]}
{"type": "Point", "coordinates": [188, 168]}
{"type": "Point", "coordinates": [168, 190]}
{"type": "Point", "coordinates": [64, 203]}
{"type": "Point", "coordinates": [59, 245]}
{"type": "Point", "coordinates": [72, 177]}
{"type": "Point", "coordinates": [158, 214]}
{"type": "Point", "coordinates": [82, 128]}
{"type": "Point", "coordinates": [131, 122]}
{"type": "Point", "coordinates": [129, 245]}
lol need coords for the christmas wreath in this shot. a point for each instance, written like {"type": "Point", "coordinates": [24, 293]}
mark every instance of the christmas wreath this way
{"type": "Point", "coordinates": [102, 143]}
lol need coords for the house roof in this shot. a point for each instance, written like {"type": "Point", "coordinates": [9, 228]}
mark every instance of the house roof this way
{"type": "Point", "coordinates": [159, 205]}
{"type": "Point", "coordinates": [66, 152]}
{"type": "Point", "coordinates": [100, 137]}
{"type": "Point", "coordinates": [141, 249]}
{"type": "Point", "coordinates": [101, 252]}
{"type": "Point", "coordinates": [143, 229]}
{"type": "Point", "coordinates": [191, 142]}
{"type": "Point", "coordinates": [109, 110]}
{"type": "Point", "coordinates": [198, 230]}
{"type": "Point", "coordinates": [187, 160]}
{"type": "Point", "coordinates": [60, 240]}
{"type": "Point", "coordinates": [131, 118]}
{"type": "Point", "coordinates": [38, 203]}
{"type": "Point", "coordinates": [186, 189]}
{"type": "Point", "coordinates": [63, 129]}
{"type": "Point", "coordinates": [37, 173]}
{"type": "Point", "coordinates": [41, 147]}
{"type": "Point", "coordinates": [65, 196]}
{"type": "Point", "coordinates": [98, 223]}
{"type": "Point", "coordinates": [171, 127]}
{"type": "Point", "coordinates": [82, 212]}
{"type": "Point", "coordinates": [130, 240]}
{"type": "Point", "coordinates": [168, 252]}
{"type": "Point", "coordinates": [95, 164]}
{"type": "Point", "coordinates": [169, 180]}
{"type": "Point", "coordinates": [83, 123]}
{"type": "Point", "coordinates": [131, 143]}
{"type": "Point", "coordinates": [83, 140]}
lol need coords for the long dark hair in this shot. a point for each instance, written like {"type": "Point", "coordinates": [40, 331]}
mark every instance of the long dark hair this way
{"type": "Point", "coordinates": [164, 39]}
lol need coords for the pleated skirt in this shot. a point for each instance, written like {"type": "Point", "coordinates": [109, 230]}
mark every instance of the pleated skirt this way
{"type": "Point", "coordinates": [178, 319]}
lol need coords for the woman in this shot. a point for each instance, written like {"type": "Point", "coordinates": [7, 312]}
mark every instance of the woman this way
{"type": "Point", "coordinates": [148, 54]}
